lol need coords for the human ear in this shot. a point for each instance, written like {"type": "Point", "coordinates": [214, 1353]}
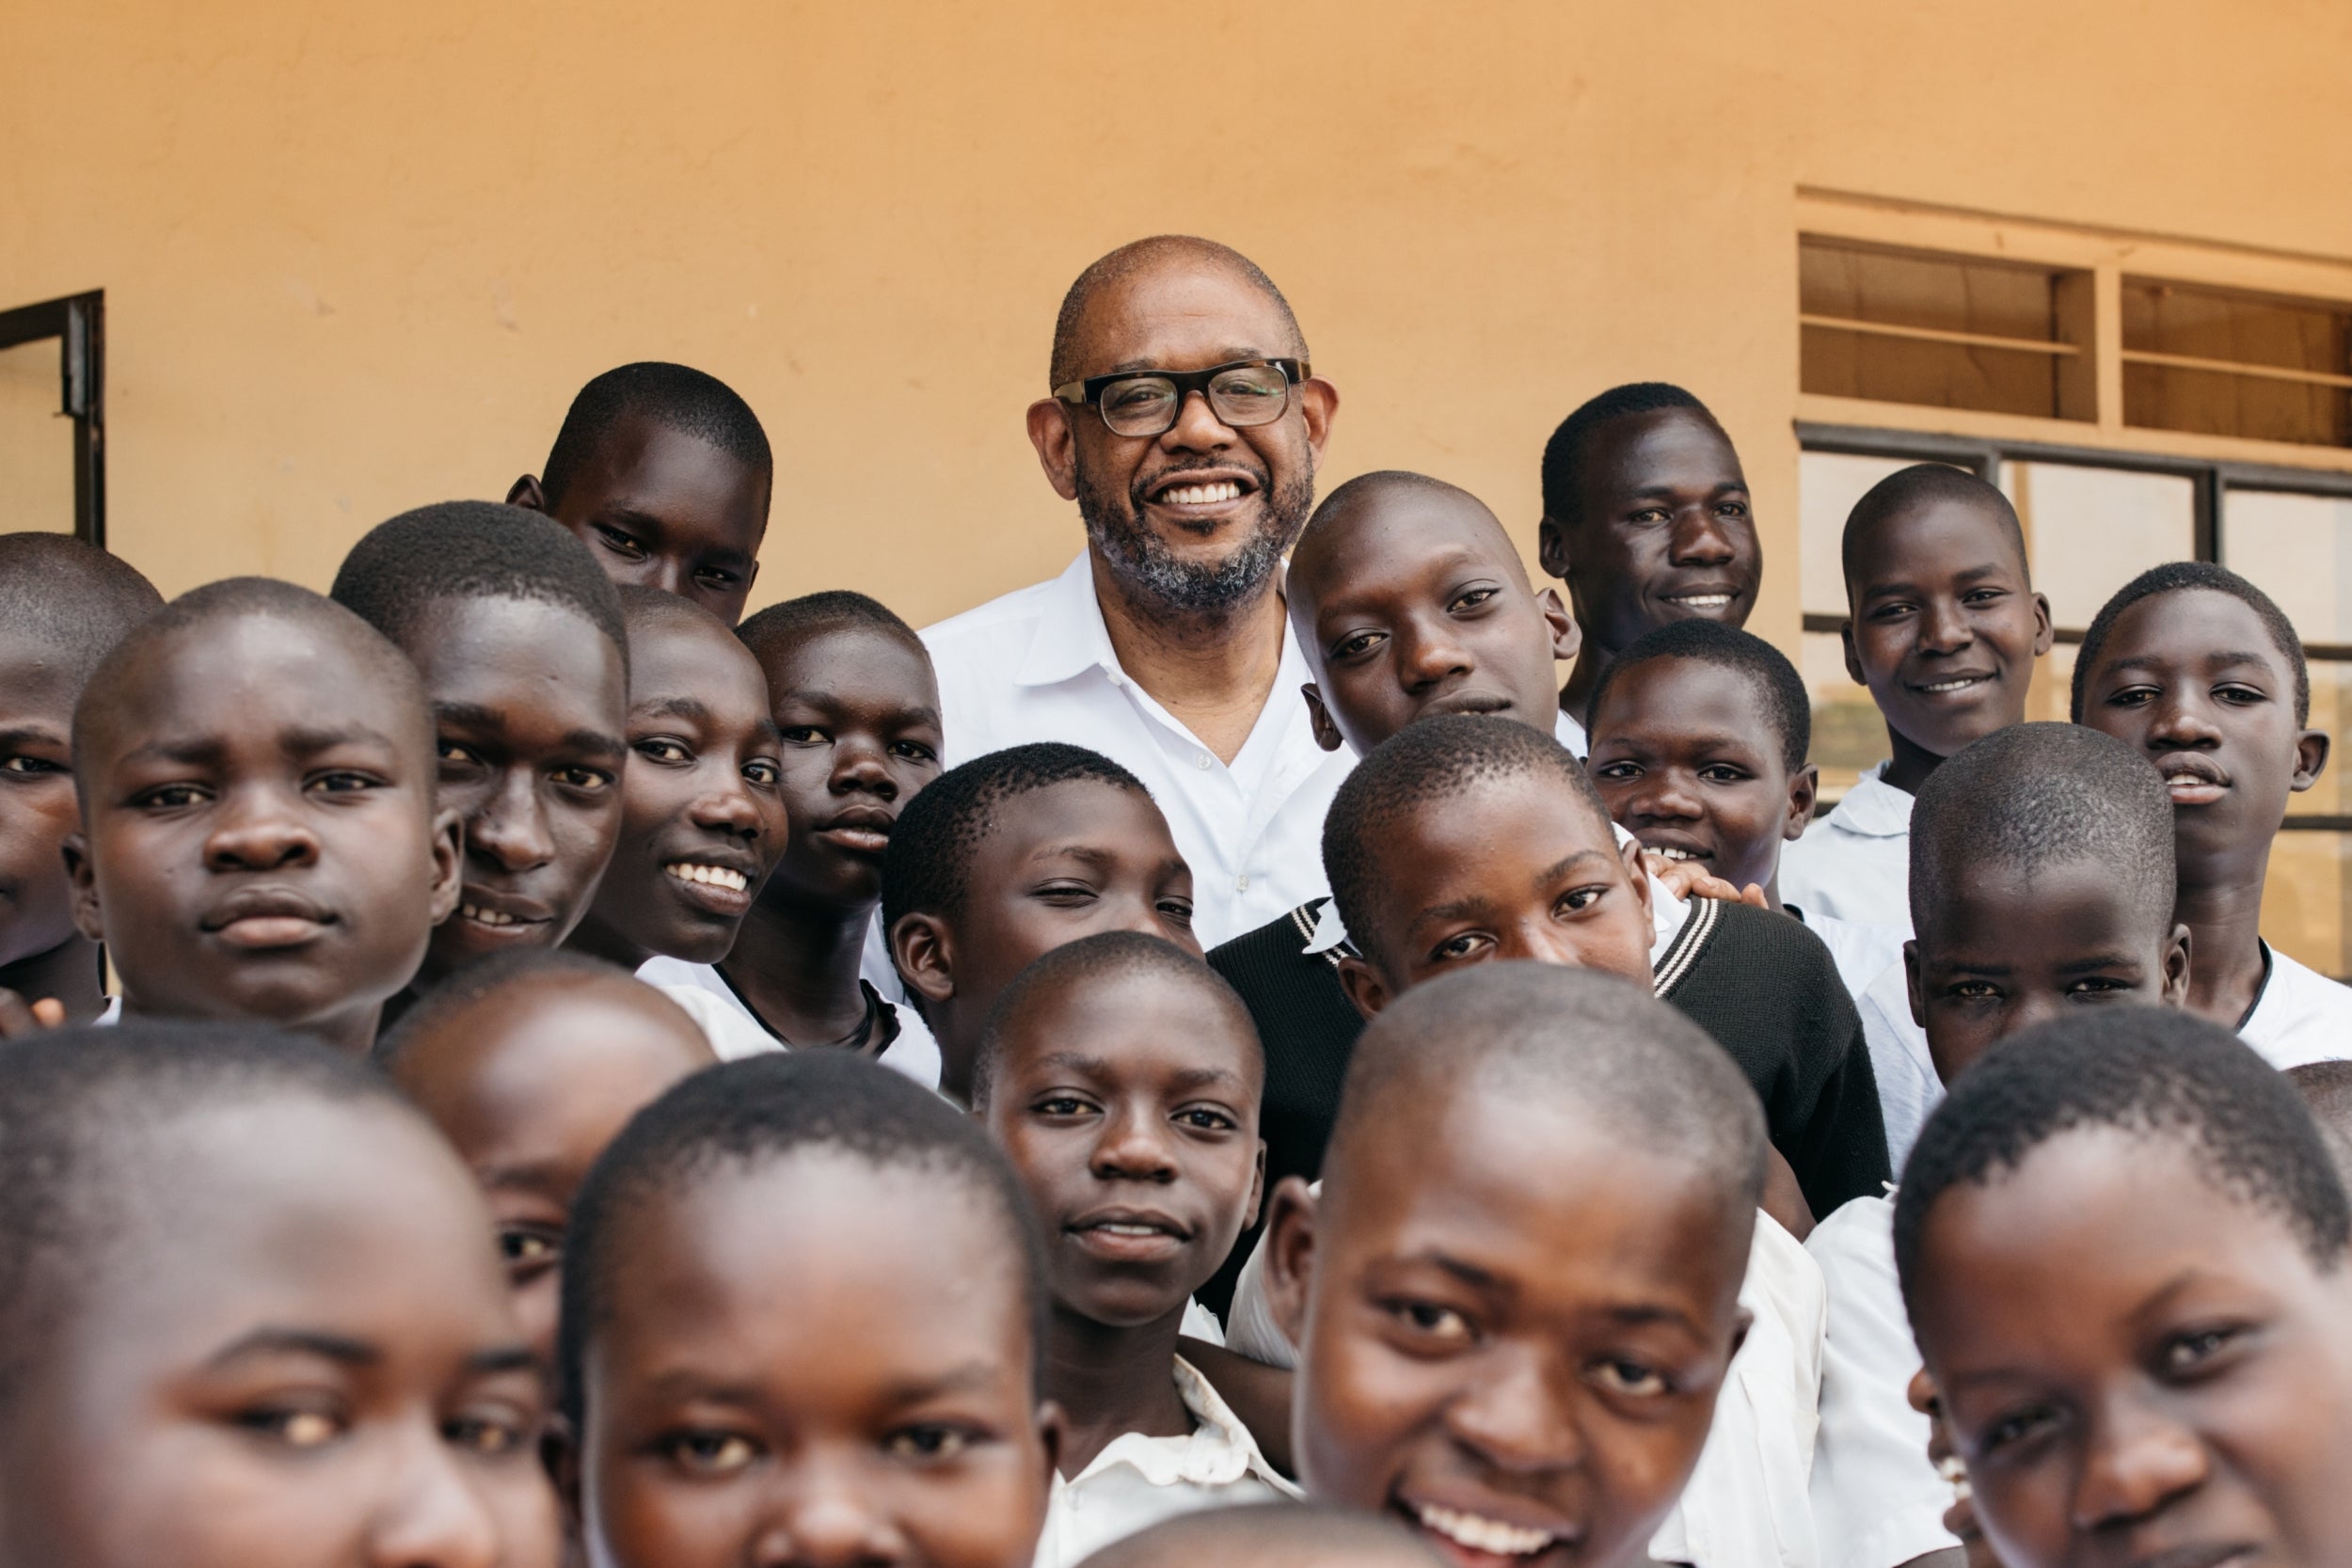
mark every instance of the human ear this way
{"type": "Point", "coordinates": [1318, 404]}
{"type": "Point", "coordinates": [449, 862]}
{"type": "Point", "coordinates": [1257, 1188]}
{"type": "Point", "coordinates": [84, 875]}
{"type": "Point", "coordinates": [1854, 659]}
{"type": "Point", "coordinates": [1551, 547]}
{"type": "Point", "coordinates": [525, 493]}
{"type": "Point", "coordinates": [2311, 759]}
{"type": "Point", "coordinates": [1290, 1256]}
{"type": "Point", "coordinates": [1052, 1430]}
{"type": "Point", "coordinates": [1319, 718]}
{"type": "Point", "coordinates": [1566, 635]}
{"type": "Point", "coordinates": [1363, 985]}
{"type": "Point", "coordinates": [1056, 446]}
{"type": "Point", "coordinates": [1637, 873]}
{"type": "Point", "coordinates": [922, 951]}
{"type": "Point", "coordinates": [2175, 991]}
{"type": "Point", "coordinates": [1804, 789]}
{"type": "Point", "coordinates": [1910, 983]}
{"type": "Point", "coordinates": [2043, 633]}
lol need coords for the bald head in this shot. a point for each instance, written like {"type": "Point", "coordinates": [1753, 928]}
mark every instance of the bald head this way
{"type": "Point", "coordinates": [1270, 1535]}
{"type": "Point", "coordinates": [1910, 491]}
{"type": "Point", "coordinates": [1326, 549]}
{"type": "Point", "coordinates": [1600, 1046]}
{"type": "Point", "coordinates": [1160, 254]}
{"type": "Point", "coordinates": [71, 601]}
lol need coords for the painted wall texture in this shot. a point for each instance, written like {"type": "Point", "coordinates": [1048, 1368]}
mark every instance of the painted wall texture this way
{"type": "Point", "coordinates": [358, 257]}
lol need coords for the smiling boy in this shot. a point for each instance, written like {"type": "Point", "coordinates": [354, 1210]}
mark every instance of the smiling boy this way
{"type": "Point", "coordinates": [259, 839]}
{"type": "Point", "coordinates": [664, 473]}
{"type": "Point", "coordinates": [1121, 1077]}
{"type": "Point", "coordinates": [2199, 670]}
{"type": "Point", "coordinates": [1646, 520]}
{"type": "Point", "coordinates": [1943, 625]}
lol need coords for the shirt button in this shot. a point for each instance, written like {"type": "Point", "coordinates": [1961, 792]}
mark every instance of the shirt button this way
{"type": "Point", "coordinates": [1241, 883]}
{"type": "Point", "coordinates": [1200, 759]}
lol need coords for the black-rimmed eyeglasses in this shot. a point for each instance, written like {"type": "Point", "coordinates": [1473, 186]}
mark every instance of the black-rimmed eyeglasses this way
{"type": "Point", "coordinates": [1247, 393]}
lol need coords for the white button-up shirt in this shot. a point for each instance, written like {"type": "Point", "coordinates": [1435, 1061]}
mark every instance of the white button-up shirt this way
{"type": "Point", "coordinates": [1856, 862]}
{"type": "Point", "coordinates": [1037, 665]}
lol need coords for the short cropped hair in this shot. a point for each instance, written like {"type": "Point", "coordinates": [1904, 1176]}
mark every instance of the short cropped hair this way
{"type": "Point", "coordinates": [1431, 759]}
{"type": "Point", "coordinates": [487, 977]}
{"type": "Point", "coordinates": [1779, 690]}
{"type": "Point", "coordinates": [73, 600]}
{"type": "Point", "coordinates": [1140, 256]}
{"type": "Point", "coordinates": [1550, 1034]}
{"type": "Point", "coordinates": [926, 868]}
{"type": "Point", "coordinates": [782, 627]}
{"type": "Point", "coordinates": [2038, 795]}
{"type": "Point", "coordinates": [1924, 483]}
{"type": "Point", "coordinates": [78, 1113]}
{"type": "Point", "coordinates": [395, 576]}
{"type": "Point", "coordinates": [237, 600]}
{"type": "Point", "coordinates": [673, 396]}
{"type": "Point", "coordinates": [2151, 1073]}
{"type": "Point", "coordinates": [1570, 447]}
{"type": "Point", "coordinates": [1266, 1533]}
{"type": "Point", "coordinates": [2180, 576]}
{"type": "Point", "coordinates": [748, 1114]}
{"type": "Point", "coordinates": [1096, 959]}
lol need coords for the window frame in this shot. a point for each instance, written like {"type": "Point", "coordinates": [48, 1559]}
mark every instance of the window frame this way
{"type": "Point", "coordinates": [78, 322]}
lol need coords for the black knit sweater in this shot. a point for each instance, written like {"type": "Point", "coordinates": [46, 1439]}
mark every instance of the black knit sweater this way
{"type": "Point", "coordinates": [1758, 981]}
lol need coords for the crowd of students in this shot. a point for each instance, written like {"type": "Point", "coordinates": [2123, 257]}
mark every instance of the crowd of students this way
{"type": "Point", "coordinates": [1220, 1055]}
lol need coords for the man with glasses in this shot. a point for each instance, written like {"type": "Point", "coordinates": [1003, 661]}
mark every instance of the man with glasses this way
{"type": "Point", "coordinates": [1185, 422]}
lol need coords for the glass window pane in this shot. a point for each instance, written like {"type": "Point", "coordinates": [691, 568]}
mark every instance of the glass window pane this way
{"type": "Point", "coordinates": [2298, 550]}
{"type": "Point", "coordinates": [2090, 531]}
{"type": "Point", "coordinates": [2303, 902]}
{"type": "Point", "coordinates": [1838, 363]}
{"type": "Point", "coordinates": [35, 443]}
{"type": "Point", "coordinates": [1848, 734]}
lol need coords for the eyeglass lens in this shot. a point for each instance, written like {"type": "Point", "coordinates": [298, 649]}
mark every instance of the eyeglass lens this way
{"type": "Point", "coordinates": [1243, 396]}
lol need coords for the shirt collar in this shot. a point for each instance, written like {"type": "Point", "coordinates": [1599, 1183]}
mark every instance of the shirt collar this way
{"type": "Point", "coordinates": [1218, 1452]}
{"type": "Point", "coordinates": [1070, 637]}
{"type": "Point", "coordinates": [1875, 808]}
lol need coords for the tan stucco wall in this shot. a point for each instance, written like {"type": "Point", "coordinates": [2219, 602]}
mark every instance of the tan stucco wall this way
{"type": "Point", "coordinates": [357, 257]}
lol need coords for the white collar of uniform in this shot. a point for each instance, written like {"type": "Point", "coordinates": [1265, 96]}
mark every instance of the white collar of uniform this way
{"type": "Point", "coordinates": [1217, 1452]}
{"type": "Point", "coordinates": [1667, 913]}
{"type": "Point", "coordinates": [1070, 637]}
{"type": "Point", "coordinates": [1875, 808]}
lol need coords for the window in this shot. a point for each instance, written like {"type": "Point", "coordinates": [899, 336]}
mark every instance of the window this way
{"type": "Point", "coordinates": [2094, 520]}
{"type": "Point", "coordinates": [53, 475]}
{"type": "Point", "coordinates": [2218, 362]}
{"type": "Point", "coordinates": [1942, 330]}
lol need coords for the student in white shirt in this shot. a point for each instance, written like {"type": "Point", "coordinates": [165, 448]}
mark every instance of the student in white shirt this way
{"type": "Point", "coordinates": [2201, 670]}
{"type": "Point", "coordinates": [1943, 626]}
{"type": "Point", "coordinates": [1186, 423]}
{"type": "Point", "coordinates": [1122, 1078]}
{"type": "Point", "coordinates": [1521, 1334]}
{"type": "Point", "coordinates": [1646, 521]}
{"type": "Point", "coordinates": [2041, 877]}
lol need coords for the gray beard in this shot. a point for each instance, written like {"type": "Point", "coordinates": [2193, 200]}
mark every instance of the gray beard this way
{"type": "Point", "coordinates": [1184, 589]}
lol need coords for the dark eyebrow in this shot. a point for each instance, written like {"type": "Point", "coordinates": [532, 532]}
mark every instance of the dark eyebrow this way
{"type": "Point", "coordinates": [501, 1358]}
{"type": "Point", "coordinates": [17, 734]}
{"type": "Point", "coordinates": [2217, 659]}
{"type": "Point", "coordinates": [338, 1348]}
{"type": "Point", "coordinates": [975, 1374]}
{"type": "Point", "coordinates": [1655, 1314]}
{"type": "Point", "coordinates": [1225, 356]}
{"type": "Point", "coordinates": [1663, 491]}
{"type": "Point", "coordinates": [912, 714]}
{"type": "Point", "coordinates": [1093, 855]}
{"type": "Point", "coordinates": [303, 742]}
{"type": "Point", "coordinates": [2097, 961]}
{"type": "Point", "coordinates": [530, 1176]}
{"type": "Point", "coordinates": [1566, 863]}
{"type": "Point", "coordinates": [688, 709]}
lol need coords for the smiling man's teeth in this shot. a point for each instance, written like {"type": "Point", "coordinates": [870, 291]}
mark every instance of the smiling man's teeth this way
{"type": "Point", "coordinates": [1672, 854]}
{"type": "Point", "coordinates": [1482, 1534]}
{"type": "Point", "coordinates": [1954, 685]}
{"type": "Point", "coordinates": [1131, 1229]}
{"type": "Point", "coordinates": [1705, 601]}
{"type": "Point", "coordinates": [1202, 495]}
{"type": "Point", "coordinates": [487, 917]}
{"type": "Point", "coordinates": [712, 876]}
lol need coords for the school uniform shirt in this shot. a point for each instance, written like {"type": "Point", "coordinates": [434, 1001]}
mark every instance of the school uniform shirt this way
{"type": "Point", "coordinates": [736, 1032]}
{"type": "Point", "coordinates": [1908, 1086]}
{"type": "Point", "coordinates": [2299, 1017]}
{"type": "Point", "coordinates": [1748, 1504]}
{"type": "Point", "coordinates": [1856, 862]}
{"type": "Point", "coordinates": [1860, 949]}
{"type": "Point", "coordinates": [1037, 665]}
{"type": "Point", "coordinates": [1877, 1501]}
{"type": "Point", "coordinates": [1136, 1481]}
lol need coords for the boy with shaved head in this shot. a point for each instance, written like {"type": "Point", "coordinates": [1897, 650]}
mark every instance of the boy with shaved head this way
{"type": "Point", "coordinates": [1183, 419]}
{"type": "Point", "coordinates": [1515, 1341]}
{"type": "Point", "coordinates": [63, 605]}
